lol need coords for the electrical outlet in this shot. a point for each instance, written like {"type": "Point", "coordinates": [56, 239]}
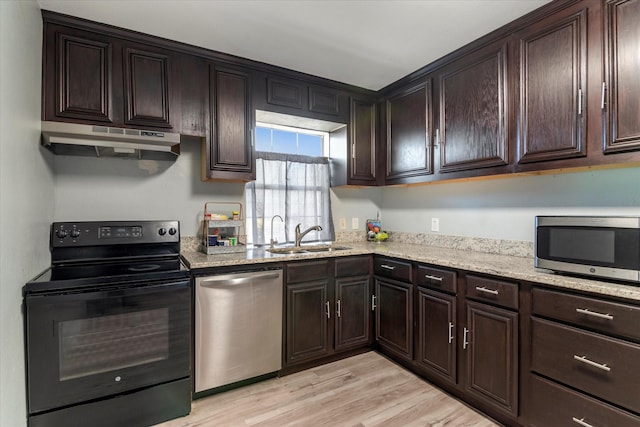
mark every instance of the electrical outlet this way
{"type": "Point", "coordinates": [435, 224]}
{"type": "Point", "coordinates": [343, 224]}
{"type": "Point", "coordinates": [354, 223]}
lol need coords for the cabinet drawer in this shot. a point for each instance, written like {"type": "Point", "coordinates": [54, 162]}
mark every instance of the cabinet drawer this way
{"type": "Point", "coordinates": [498, 292]}
{"type": "Point", "coordinates": [604, 367]}
{"type": "Point", "coordinates": [555, 406]}
{"type": "Point", "coordinates": [392, 269]}
{"type": "Point", "coordinates": [600, 315]}
{"type": "Point", "coordinates": [307, 271]}
{"type": "Point", "coordinates": [352, 266]}
{"type": "Point", "coordinates": [436, 278]}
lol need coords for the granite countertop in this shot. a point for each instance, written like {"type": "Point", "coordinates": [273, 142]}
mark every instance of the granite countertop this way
{"type": "Point", "coordinates": [514, 267]}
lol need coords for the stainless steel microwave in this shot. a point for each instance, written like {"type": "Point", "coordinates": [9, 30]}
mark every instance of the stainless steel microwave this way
{"type": "Point", "coordinates": [603, 247]}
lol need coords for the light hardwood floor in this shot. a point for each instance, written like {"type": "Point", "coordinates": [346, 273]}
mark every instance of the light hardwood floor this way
{"type": "Point", "coordinates": [364, 390]}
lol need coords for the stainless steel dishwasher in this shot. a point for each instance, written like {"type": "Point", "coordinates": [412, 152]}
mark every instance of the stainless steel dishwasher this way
{"type": "Point", "coordinates": [238, 327]}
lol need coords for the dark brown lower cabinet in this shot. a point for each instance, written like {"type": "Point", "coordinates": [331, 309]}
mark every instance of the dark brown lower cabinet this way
{"type": "Point", "coordinates": [394, 317]}
{"type": "Point", "coordinates": [353, 313]}
{"type": "Point", "coordinates": [490, 345]}
{"type": "Point", "coordinates": [307, 321]}
{"type": "Point", "coordinates": [553, 405]}
{"type": "Point", "coordinates": [324, 314]}
{"type": "Point", "coordinates": [436, 346]}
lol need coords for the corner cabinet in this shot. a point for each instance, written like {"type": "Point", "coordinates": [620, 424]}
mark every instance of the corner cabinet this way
{"type": "Point", "coordinates": [622, 100]}
{"type": "Point", "coordinates": [362, 167]}
{"type": "Point", "coordinates": [96, 79]}
{"type": "Point", "coordinates": [408, 135]}
{"type": "Point", "coordinates": [228, 151]}
{"type": "Point", "coordinates": [473, 124]}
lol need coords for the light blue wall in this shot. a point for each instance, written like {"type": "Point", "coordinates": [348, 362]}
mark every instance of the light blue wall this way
{"type": "Point", "coordinates": [26, 191]}
{"type": "Point", "coordinates": [505, 208]}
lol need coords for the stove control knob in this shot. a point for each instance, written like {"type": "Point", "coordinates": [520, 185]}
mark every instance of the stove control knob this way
{"type": "Point", "coordinates": [74, 233]}
{"type": "Point", "coordinates": [61, 234]}
{"type": "Point", "coordinates": [162, 231]}
{"type": "Point", "coordinates": [172, 231]}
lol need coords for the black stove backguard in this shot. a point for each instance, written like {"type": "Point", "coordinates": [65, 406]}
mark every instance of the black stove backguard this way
{"type": "Point", "coordinates": [108, 327]}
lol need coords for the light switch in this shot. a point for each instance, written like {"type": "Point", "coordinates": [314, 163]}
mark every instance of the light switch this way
{"type": "Point", "coordinates": [354, 223]}
{"type": "Point", "coordinates": [435, 224]}
{"type": "Point", "coordinates": [343, 224]}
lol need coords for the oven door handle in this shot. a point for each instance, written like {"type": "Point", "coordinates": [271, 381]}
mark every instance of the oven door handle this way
{"type": "Point", "coordinates": [236, 281]}
{"type": "Point", "coordinates": [143, 268]}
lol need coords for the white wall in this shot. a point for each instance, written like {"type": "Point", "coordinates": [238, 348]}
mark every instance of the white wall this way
{"type": "Point", "coordinates": [26, 191]}
{"type": "Point", "coordinates": [349, 203]}
{"type": "Point", "coordinates": [121, 189]}
{"type": "Point", "coordinates": [505, 208]}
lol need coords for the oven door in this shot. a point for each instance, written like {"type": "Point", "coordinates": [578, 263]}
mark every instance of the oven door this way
{"type": "Point", "coordinates": [87, 345]}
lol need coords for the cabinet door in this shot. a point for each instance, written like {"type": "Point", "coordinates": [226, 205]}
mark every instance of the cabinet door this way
{"type": "Point", "coordinates": [623, 85]}
{"type": "Point", "coordinates": [394, 317]}
{"type": "Point", "coordinates": [82, 79]}
{"type": "Point", "coordinates": [146, 86]}
{"type": "Point", "coordinates": [353, 314]}
{"type": "Point", "coordinates": [436, 347]}
{"type": "Point", "coordinates": [407, 121]}
{"type": "Point", "coordinates": [308, 314]}
{"type": "Point", "coordinates": [490, 342]}
{"type": "Point", "coordinates": [473, 111]}
{"type": "Point", "coordinates": [553, 68]}
{"type": "Point", "coordinates": [362, 163]}
{"type": "Point", "coordinates": [229, 151]}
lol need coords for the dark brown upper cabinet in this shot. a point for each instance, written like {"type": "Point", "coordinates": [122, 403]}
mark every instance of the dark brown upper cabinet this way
{"type": "Point", "coordinates": [408, 140]}
{"type": "Point", "coordinates": [96, 79]}
{"type": "Point", "coordinates": [473, 126]}
{"type": "Point", "coordinates": [146, 76]}
{"type": "Point", "coordinates": [300, 97]}
{"type": "Point", "coordinates": [362, 168]}
{"type": "Point", "coordinates": [621, 90]}
{"type": "Point", "coordinates": [229, 149]}
{"type": "Point", "coordinates": [77, 76]}
{"type": "Point", "coordinates": [552, 97]}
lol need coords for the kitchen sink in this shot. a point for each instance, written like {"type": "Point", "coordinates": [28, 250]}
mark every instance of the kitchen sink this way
{"type": "Point", "coordinates": [289, 250]}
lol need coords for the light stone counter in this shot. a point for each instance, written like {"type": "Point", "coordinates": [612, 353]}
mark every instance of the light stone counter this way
{"type": "Point", "coordinates": [514, 267]}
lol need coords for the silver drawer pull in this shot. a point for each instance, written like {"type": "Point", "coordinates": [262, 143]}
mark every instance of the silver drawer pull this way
{"type": "Point", "coordinates": [373, 302]}
{"type": "Point", "coordinates": [338, 308]}
{"type": "Point", "coordinates": [327, 309]}
{"type": "Point", "coordinates": [435, 278]}
{"type": "Point", "coordinates": [581, 422]}
{"type": "Point", "coordinates": [594, 313]}
{"type": "Point", "coordinates": [387, 267]}
{"type": "Point", "coordinates": [584, 359]}
{"type": "Point", "coordinates": [487, 290]}
{"type": "Point", "coordinates": [465, 334]}
{"type": "Point", "coordinates": [450, 332]}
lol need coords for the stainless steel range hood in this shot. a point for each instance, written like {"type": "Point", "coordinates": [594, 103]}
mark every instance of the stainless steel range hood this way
{"type": "Point", "coordinates": [102, 141]}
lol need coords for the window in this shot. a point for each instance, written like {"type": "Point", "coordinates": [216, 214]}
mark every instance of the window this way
{"type": "Point", "coordinates": [293, 181]}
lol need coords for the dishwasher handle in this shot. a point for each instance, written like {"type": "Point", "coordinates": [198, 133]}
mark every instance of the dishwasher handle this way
{"type": "Point", "coordinates": [236, 281]}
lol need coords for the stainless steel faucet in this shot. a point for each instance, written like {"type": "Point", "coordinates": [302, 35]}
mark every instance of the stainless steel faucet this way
{"type": "Point", "coordinates": [273, 242]}
{"type": "Point", "coordinates": [300, 235]}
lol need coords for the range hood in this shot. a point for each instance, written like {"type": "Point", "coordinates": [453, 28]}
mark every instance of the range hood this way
{"type": "Point", "coordinates": [102, 141]}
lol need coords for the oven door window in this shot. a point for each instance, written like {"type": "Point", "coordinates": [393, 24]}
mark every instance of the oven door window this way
{"type": "Point", "coordinates": [109, 343]}
{"type": "Point", "coordinates": [88, 345]}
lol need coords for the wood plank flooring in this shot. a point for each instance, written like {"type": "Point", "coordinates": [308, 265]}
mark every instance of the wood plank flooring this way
{"type": "Point", "coordinates": [364, 390]}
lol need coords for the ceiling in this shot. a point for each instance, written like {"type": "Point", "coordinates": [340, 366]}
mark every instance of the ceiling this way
{"type": "Point", "coordinates": [364, 43]}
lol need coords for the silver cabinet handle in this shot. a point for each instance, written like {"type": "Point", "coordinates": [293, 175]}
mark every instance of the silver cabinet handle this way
{"type": "Point", "coordinates": [387, 267]}
{"type": "Point", "coordinates": [487, 290]}
{"type": "Point", "coordinates": [581, 422]}
{"type": "Point", "coordinates": [437, 141]}
{"type": "Point", "coordinates": [579, 102]}
{"type": "Point", "coordinates": [327, 307]}
{"type": "Point", "coordinates": [338, 308]}
{"type": "Point", "coordinates": [604, 91]}
{"type": "Point", "coordinates": [353, 151]}
{"type": "Point", "coordinates": [434, 278]}
{"type": "Point", "coordinates": [594, 313]}
{"type": "Point", "coordinates": [373, 302]}
{"type": "Point", "coordinates": [450, 332]}
{"type": "Point", "coordinates": [584, 359]}
{"type": "Point", "coordinates": [465, 343]}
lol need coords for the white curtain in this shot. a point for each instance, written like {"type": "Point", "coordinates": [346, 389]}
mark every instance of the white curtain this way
{"type": "Point", "coordinates": [296, 188]}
